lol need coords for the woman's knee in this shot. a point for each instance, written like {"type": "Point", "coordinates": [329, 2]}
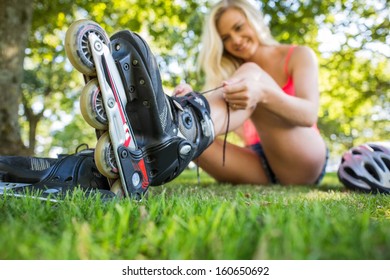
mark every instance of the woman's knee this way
{"type": "Point", "coordinates": [250, 66]}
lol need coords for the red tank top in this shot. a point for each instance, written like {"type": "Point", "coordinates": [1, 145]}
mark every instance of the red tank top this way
{"type": "Point", "coordinates": [250, 132]}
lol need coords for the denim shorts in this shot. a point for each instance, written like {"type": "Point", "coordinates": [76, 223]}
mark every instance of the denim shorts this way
{"type": "Point", "coordinates": [258, 148]}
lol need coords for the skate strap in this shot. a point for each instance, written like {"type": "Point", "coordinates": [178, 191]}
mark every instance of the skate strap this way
{"type": "Point", "coordinates": [60, 172]}
{"type": "Point", "coordinates": [198, 101]}
{"type": "Point", "coordinates": [67, 171]}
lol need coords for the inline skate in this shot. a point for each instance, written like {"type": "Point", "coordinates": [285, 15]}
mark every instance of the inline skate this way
{"type": "Point", "coordinates": [145, 137]}
{"type": "Point", "coordinates": [52, 178]}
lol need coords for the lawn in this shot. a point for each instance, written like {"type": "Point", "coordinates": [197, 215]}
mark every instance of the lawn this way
{"type": "Point", "coordinates": [187, 220]}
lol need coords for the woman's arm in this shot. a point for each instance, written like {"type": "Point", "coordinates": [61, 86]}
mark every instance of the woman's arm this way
{"type": "Point", "coordinates": [251, 86]}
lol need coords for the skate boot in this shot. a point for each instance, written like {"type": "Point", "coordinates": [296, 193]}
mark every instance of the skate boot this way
{"type": "Point", "coordinates": [150, 136]}
{"type": "Point", "coordinates": [52, 177]}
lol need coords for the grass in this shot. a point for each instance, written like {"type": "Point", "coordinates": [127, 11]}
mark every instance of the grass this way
{"type": "Point", "coordinates": [184, 220]}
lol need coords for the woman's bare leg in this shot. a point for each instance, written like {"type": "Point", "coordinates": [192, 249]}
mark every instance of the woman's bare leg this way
{"type": "Point", "coordinates": [241, 166]}
{"type": "Point", "coordinates": [296, 154]}
{"type": "Point", "coordinates": [293, 162]}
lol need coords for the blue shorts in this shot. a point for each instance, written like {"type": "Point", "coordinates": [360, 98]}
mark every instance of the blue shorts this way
{"type": "Point", "coordinates": [258, 148]}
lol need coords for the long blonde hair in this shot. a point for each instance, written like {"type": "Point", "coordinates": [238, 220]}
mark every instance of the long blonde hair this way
{"type": "Point", "coordinates": [217, 64]}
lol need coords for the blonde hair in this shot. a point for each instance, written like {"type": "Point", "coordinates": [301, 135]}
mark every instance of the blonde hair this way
{"type": "Point", "coordinates": [217, 64]}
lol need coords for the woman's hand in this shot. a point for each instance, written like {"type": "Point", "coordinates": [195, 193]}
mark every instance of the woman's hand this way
{"type": "Point", "coordinates": [248, 87]}
{"type": "Point", "coordinates": [243, 91]}
{"type": "Point", "coordinates": [182, 89]}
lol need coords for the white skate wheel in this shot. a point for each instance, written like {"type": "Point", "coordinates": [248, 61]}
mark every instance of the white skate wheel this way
{"type": "Point", "coordinates": [77, 45]}
{"type": "Point", "coordinates": [91, 106]}
{"type": "Point", "coordinates": [105, 158]}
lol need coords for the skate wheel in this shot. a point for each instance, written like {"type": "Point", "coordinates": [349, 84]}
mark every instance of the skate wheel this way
{"type": "Point", "coordinates": [91, 106]}
{"type": "Point", "coordinates": [117, 189]}
{"type": "Point", "coordinates": [105, 158]}
{"type": "Point", "coordinates": [77, 45]}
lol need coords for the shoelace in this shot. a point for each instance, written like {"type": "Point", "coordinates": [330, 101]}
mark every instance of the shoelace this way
{"type": "Point", "coordinates": [81, 147]}
{"type": "Point", "coordinates": [227, 126]}
{"type": "Point", "coordinates": [226, 133]}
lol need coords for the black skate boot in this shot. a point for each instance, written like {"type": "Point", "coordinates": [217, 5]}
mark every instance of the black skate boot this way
{"type": "Point", "coordinates": [171, 132]}
{"type": "Point", "coordinates": [52, 178]}
{"type": "Point", "coordinates": [150, 136]}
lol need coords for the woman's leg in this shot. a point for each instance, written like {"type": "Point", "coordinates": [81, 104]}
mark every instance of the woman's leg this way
{"type": "Point", "coordinates": [241, 165]}
{"type": "Point", "coordinates": [296, 154]}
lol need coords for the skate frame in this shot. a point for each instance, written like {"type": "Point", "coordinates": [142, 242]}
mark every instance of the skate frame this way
{"type": "Point", "coordinates": [131, 166]}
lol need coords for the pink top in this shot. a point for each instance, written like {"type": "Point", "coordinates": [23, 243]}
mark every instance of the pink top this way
{"type": "Point", "coordinates": [289, 86]}
{"type": "Point", "coordinates": [250, 133]}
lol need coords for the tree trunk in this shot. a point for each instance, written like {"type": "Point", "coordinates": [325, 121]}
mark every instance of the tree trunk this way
{"type": "Point", "coordinates": [15, 25]}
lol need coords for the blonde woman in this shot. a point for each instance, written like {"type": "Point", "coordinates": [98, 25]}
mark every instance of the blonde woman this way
{"type": "Point", "coordinates": [275, 86]}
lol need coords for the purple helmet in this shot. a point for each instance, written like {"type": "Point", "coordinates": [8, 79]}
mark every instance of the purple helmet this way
{"type": "Point", "coordinates": [366, 168]}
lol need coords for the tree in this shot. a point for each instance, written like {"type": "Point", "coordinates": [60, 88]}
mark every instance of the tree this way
{"type": "Point", "coordinates": [15, 22]}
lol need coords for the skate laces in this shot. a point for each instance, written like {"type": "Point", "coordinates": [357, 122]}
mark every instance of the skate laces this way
{"type": "Point", "coordinates": [227, 125]}
{"type": "Point", "coordinates": [82, 147]}
{"type": "Point", "coordinates": [226, 133]}
{"type": "Point", "coordinates": [210, 90]}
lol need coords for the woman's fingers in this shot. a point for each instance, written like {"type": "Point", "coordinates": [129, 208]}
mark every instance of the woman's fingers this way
{"type": "Point", "coordinates": [241, 93]}
{"type": "Point", "coordinates": [182, 89]}
{"type": "Point", "coordinates": [234, 86]}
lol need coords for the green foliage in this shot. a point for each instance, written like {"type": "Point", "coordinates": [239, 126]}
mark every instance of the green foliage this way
{"type": "Point", "coordinates": [183, 220]}
{"type": "Point", "coordinates": [72, 135]}
{"type": "Point", "coordinates": [356, 86]}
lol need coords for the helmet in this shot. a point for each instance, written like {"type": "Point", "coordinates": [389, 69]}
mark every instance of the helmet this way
{"type": "Point", "coordinates": [366, 168]}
